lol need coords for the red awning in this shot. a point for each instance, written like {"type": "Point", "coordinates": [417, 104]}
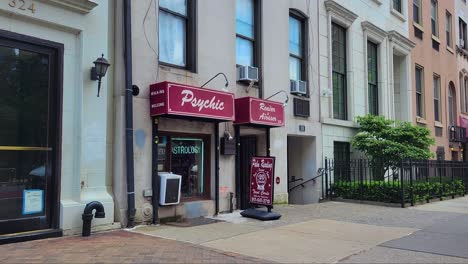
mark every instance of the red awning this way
{"type": "Point", "coordinates": [464, 123]}
{"type": "Point", "coordinates": [259, 112]}
{"type": "Point", "coordinates": [178, 100]}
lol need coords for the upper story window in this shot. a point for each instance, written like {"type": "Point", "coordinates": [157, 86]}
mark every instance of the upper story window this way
{"type": "Point", "coordinates": [297, 45]}
{"type": "Point", "coordinates": [465, 90]}
{"type": "Point", "coordinates": [340, 93]}
{"type": "Point", "coordinates": [246, 32]}
{"type": "Point", "coordinates": [417, 11]}
{"type": "Point", "coordinates": [434, 19]}
{"type": "Point", "coordinates": [448, 28]}
{"type": "Point", "coordinates": [397, 6]}
{"type": "Point", "coordinates": [451, 105]}
{"type": "Point", "coordinates": [372, 79]}
{"type": "Point", "coordinates": [177, 45]}
{"type": "Point", "coordinates": [437, 98]}
{"type": "Point", "coordinates": [462, 33]}
{"type": "Point", "coordinates": [419, 80]}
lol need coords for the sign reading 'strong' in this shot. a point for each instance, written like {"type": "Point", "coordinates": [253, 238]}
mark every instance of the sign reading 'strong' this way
{"type": "Point", "coordinates": [168, 98]}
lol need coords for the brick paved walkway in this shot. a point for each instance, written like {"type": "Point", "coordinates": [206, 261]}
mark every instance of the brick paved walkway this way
{"type": "Point", "coordinates": [115, 247]}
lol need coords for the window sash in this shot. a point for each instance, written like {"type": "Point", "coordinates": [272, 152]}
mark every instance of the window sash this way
{"type": "Point", "coordinates": [434, 22]}
{"type": "Point", "coordinates": [449, 29]}
{"type": "Point", "coordinates": [372, 78]}
{"type": "Point", "coordinates": [397, 5]}
{"type": "Point", "coordinates": [437, 98]}
{"type": "Point", "coordinates": [339, 72]}
{"type": "Point", "coordinates": [419, 92]}
{"type": "Point", "coordinates": [173, 38]}
{"type": "Point", "coordinates": [417, 11]}
{"type": "Point", "coordinates": [247, 36]}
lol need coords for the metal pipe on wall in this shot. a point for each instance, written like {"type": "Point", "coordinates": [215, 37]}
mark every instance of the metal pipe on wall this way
{"type": "Point", "coordinates": [155, 183]}
{"type": "Point", "coordinates": [129, 114]}
{"type": "Point", "coordinates": [216, 135]}
{"type": "Point", "coordinates": [237, 170]}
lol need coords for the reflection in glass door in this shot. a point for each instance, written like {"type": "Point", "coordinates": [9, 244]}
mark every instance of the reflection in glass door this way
{"type": "Point", "coordinates": [27, 136]}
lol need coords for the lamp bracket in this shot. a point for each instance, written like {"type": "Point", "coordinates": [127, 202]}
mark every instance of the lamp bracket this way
{"type": "Point", "coordinates": [94, 75]}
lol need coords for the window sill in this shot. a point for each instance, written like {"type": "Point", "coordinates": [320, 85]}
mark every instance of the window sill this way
{"type": "Point", "coordinates": [435, 38]}
{"type": "Point", "coordinates": [398, 15]}
{"type": "Point", "coordinates": [194, 199]}
{"type": "Point", "coordinates": [418, 26]}
{"type": "Point", "coordinates": [379, 2]}
{"type": "Point", "coordinates": [339, 122]}
{"type": "Point", "coordinates": [450, 50]}
{"type": "Point", "coordinates": [438, 124]}
{"type": "Point", "coordinates": [176, 70]}
{"type": "Point", "coordinates": [421, 120]}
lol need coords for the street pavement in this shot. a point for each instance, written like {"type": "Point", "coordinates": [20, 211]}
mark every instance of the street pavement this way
{"type": "Point", "coordinates": [328, 232]}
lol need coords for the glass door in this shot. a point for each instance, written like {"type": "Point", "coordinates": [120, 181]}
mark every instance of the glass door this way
{"type": "Point", "coordinates": [27, 136]}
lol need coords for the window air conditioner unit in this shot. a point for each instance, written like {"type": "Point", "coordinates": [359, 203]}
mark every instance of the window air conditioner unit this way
{"type": "Point", "coordinates": [298, 87]}
{"type": "Point", "coordinates": [247, 74]}
{"type": "Point", "coordinates": [170, 188]}
{"type": "Point", "coordinates": [462, 43]}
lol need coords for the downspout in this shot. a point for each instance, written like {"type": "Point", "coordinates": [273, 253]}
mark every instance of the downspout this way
{"type": "Point", "coordinates": [216, 135]}
{"type": "Point", "coordinates": [129, 114]}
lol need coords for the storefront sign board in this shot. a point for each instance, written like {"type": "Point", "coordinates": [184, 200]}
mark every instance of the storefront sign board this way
{"type": "Point", "coordinates": [250, 110]}
{"type": "Point", "coordinates": [167, 98]}
{"type": "Point", "coordinates": [262, 173]}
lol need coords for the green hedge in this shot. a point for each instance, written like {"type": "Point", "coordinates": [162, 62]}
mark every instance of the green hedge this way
{"type": "Point", "coordinates": [390, 192]}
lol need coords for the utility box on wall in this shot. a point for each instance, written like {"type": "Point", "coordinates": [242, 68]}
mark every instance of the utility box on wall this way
{"type": "Point", "coordinates": [170, 188]}
{"type": "Point", "coordinates": [228, 146]}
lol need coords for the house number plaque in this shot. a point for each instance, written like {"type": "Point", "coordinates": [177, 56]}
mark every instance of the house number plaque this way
{"type": "Point", "coordinates": [23, 5]}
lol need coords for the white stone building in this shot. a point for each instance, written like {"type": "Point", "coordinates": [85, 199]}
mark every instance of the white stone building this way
{"type": "Point", "coordinates": [55, 133]}
{"type": "Point", "coordinates": [364, 67]}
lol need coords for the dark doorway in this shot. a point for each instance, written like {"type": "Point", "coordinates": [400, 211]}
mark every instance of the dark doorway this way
{"type": "Point", "coordinates": [342, 158]}
{"type": "Point", "coordinates": [29, 134]}
{"type": "Point", "coordinates": [248, 149]}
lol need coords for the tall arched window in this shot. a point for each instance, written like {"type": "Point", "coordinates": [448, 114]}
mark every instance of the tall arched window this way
{"type": "Point", "coordinates": [461, 84]}
{"type": "Point", "coordinates": [465, 90]}
{"type": "Point", "coordinates": [452, 104]}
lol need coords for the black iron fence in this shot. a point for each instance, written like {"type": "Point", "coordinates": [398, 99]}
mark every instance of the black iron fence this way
{"type": "Point", "coordinates": [405, 182]}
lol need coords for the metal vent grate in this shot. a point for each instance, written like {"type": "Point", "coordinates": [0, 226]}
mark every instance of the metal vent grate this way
{"type": "Point", "coordinates": [172, 190]}
{"type": "Point", "coordinates": [301, 107]}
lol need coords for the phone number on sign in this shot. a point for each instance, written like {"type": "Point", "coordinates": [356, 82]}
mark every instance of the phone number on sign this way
{"type": "Point", "coordinates": [261, 200]}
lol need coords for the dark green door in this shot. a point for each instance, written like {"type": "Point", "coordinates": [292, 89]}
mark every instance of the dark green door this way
{"type": "Point", "coordinates": [248, 149]}
{"type": "Point", "coordinates": [28, 136]}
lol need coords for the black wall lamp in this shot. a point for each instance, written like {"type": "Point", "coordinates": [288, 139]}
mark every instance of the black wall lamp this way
{"type": "Point", "coordinates": [99, 70]}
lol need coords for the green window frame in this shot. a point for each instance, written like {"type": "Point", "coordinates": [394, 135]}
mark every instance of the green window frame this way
{"type": "Point", "coordinates": [372, 78]}
{"type": "Point", "coordinates": [340, 103]}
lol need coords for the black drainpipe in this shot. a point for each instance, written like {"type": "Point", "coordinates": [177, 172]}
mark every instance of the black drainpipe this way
{"type": "Point", "coordinates": [127, 9]}
{"type": "Point", "coordinates": [216, 132]}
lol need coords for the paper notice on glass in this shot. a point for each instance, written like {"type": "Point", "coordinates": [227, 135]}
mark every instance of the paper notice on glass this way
{"type": "Point", "coordinates": [33, 201]}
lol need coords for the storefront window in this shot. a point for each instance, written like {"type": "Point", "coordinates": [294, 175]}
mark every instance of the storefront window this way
{"type": "Point", "coordinates": [185, 156]}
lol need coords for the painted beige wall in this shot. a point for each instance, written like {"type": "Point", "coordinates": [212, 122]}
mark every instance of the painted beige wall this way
{"type": "Point", "coordinates": [215, 53]}
{"type": "Point", "coordinates": [442, 62]}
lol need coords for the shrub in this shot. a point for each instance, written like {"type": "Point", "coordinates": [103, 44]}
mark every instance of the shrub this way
{"type": "Point", "coordinates": [390, 192]}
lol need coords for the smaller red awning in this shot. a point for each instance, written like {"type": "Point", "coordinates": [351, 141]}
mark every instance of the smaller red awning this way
{"type": "Point", "coordinates": [259, 112]}
{"type": "Point", "coordinates": [178, 100]}
{"type": "Point", "coordinates": [464, 123]}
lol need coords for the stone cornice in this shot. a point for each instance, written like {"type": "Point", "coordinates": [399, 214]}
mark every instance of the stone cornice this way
{"type": "Point", "coordinates": [79, 6]}
{"type": "Point", "coordinates": [341, 12]}
{"type": "Point", "coordinates": [374, 31]}
{"type": "Point", "coordinates": [400, 40]}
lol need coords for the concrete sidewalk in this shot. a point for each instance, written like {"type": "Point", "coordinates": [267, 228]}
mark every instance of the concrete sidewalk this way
{"type": "Point", "coordinates": [321, 233]}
